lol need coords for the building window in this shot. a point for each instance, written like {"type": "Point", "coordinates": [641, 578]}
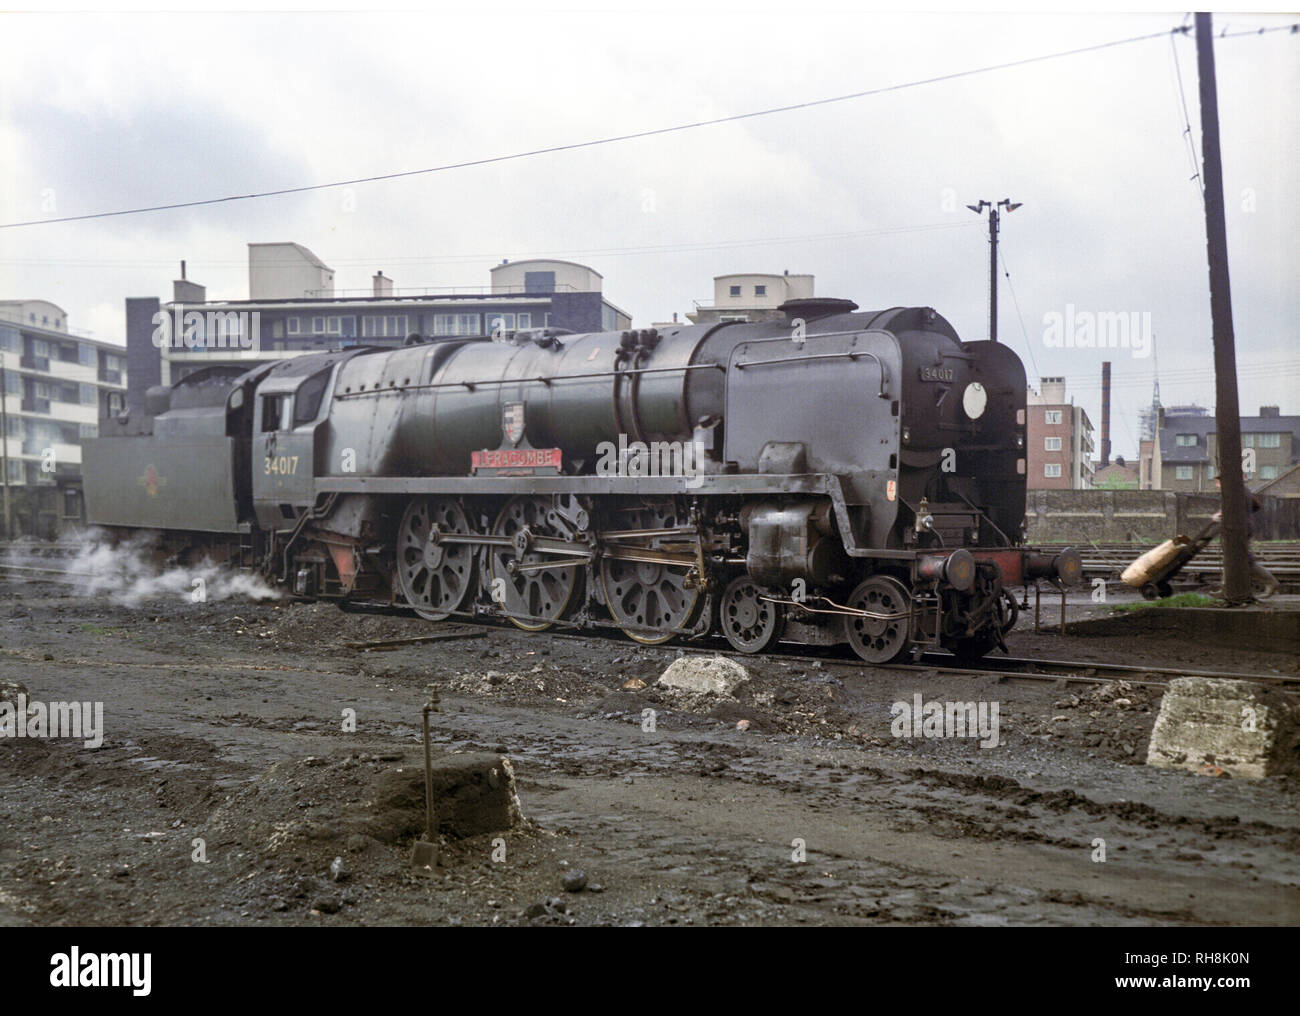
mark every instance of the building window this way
{"type": "Point", "coordinates": [89, 397]}
{"type": "Point", "coordinates": [40, 348]}
{"type": "Point", "coordinates": [387, 326]}
{"type": "Point", "coordinates": [539, 282]}
{"type": "Point", "coordinates": [1052, 469]}
{"type": "Point", "coordinates": [456, 324]}
{"type": "Point", "coordinates": [89, 430]}
{"type": "Point", "coordinates": [343, 326]}
{"type": "Point", "coordinates": [1052, 416]}
{"type": "Point", "coordinates": [291, 326]}
{"type": "Point", "coordinates": [11, 340]}
{"type": "Point", "coordinates": [1183, 472]}
{"type": "Point", "coordinates": [1187, 441]}
{"type": "Point", "coordinates": [500, 322]}
{"type": "Point", "coordinates": [760, 291]}
{"type": "Point", "coordinates": [735, 290]}
{"type": "Point", "coordinates": [86, 356]}
{"type": "Point", "coordinates": [1051, 444]}
{"type": "Point", "coordinates": [1268, 472]}
{"type": "Point", "coordinates": [1268, 440]}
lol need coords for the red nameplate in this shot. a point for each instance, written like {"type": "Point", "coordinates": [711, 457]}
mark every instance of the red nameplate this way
{"type": "Point", "coordinates": [517, 458]}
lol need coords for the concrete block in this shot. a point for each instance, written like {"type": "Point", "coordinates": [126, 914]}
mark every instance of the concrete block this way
{"type": "Point", "coordinates": [704, 675]}
{"type": "Point", "coordinates": [1246, 729]}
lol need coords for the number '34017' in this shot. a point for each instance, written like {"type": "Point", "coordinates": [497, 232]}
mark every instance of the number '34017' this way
{"type": "Point", "coordinates": [284, 465]}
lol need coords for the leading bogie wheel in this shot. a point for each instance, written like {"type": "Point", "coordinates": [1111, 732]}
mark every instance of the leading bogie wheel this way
{"type": "Point", "coordinates": [882, 630]}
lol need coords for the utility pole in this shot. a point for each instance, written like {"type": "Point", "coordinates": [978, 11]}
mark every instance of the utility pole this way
{"type": "Point", "coordinates": [1236, 566]}
{"type": "Point", "coordinates": [994, 226]}
{"type": "Point", "coordinates": [4, 448]}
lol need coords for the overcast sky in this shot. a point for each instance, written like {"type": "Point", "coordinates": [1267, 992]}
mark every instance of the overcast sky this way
{"type": "Point", "coordinates": [105, 112]}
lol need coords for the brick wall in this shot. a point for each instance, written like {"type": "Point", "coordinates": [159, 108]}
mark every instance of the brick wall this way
{"type": "Point", "coordinates": [1141, 516]}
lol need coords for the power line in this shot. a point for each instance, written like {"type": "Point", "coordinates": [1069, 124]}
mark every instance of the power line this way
{"type": "Point", "coordinates": [1029, 346]}
{"type": "Point", "coordinates": [1187, 120]}
{"type": "Point", "coordinates": [657, 132]}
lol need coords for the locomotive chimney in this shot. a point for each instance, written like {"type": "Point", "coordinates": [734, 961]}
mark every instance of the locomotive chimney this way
{"type": "Point", "coordinates": [1105, 414]}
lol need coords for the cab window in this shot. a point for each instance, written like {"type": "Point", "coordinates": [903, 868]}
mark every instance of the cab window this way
{"type": "Point", "coordinates": [277, 412]}
{"type": "Point", "coordinates": [310, 392]}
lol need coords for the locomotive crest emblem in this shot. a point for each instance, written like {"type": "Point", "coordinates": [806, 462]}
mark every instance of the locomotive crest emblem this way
{"type": "Point", "coordinates": [512, 422]}
{"type": "Point", "coordinates": [152, 482]}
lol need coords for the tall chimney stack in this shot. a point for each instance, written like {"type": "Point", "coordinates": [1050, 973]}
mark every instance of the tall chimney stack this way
{"type": "Point", "coordinates": [1105, 414]}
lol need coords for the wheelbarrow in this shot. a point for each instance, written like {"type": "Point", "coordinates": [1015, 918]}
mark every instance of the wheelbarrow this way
{"type": "Point", "coordinates": [1151, 573]}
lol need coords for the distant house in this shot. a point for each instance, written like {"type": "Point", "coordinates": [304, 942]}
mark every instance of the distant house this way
{"type": "Point", "coordinates": [1119, 475]}
{"type": "Point", "coordinates": [1189, 447]}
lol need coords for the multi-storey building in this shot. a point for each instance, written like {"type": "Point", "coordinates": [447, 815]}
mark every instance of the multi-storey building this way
{"type": "Point", "coordinates": [294, 309]}
{"type": "Point", "coordinates": [751, 297]}
{"type": "Point", "coordinates": [1189, 452]}
{"type": "Point", "coordinates": [57, 385]}
{"type": "Point", "coordinates": [1059, 435]}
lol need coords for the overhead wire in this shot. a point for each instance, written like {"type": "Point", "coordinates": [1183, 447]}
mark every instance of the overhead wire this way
{"type": "Point", "coordinates": [614, 139]}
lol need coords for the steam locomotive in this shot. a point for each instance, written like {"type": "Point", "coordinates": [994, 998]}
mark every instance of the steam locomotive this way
{"type": "Point", "coordinates": [833, 476]}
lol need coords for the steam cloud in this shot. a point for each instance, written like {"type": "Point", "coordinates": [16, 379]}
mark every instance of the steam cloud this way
{"type": "Point", "coordinates": [128, 572]}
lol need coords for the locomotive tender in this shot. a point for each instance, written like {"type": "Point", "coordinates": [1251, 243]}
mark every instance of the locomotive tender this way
{"type": "Point", "coordinates": [836, 476]}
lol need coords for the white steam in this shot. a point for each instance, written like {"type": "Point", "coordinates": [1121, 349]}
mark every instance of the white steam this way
{"type": "Point", "coordinates": [134, 570]}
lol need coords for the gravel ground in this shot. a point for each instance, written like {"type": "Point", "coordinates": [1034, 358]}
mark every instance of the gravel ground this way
{"type": "Point", "coordinates": [790, 802]}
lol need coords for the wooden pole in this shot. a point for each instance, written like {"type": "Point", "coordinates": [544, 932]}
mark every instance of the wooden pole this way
{"type": "Point", "coordinates": [1227, 414]}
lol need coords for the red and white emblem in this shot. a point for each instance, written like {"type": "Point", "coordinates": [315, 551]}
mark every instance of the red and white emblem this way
{"type": "Point", "coordinates": [512, 422]}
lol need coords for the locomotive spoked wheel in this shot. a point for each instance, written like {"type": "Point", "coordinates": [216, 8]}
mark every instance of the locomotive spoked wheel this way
{"type": "Point", "coordinates": [534, 597]}
{"type": "Point", "coordinates": [643, 596]}
{"type": "Point", "coordinates": [886, 637]}
{"type": "Point", "coordinates": [435, 577]}
{"type": "Point", "coordinates": [750, 623]}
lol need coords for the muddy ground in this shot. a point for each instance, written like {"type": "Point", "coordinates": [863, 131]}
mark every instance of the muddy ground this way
{"type": "Point", "coordinates": [225, 723]}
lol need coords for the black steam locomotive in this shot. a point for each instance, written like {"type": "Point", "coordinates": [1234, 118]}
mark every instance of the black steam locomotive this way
{"type": "Point", "coordinates": [833, 476]}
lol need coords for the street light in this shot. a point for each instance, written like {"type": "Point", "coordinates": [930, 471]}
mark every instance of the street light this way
{"type": "Point", "coordinates": [993, 207]}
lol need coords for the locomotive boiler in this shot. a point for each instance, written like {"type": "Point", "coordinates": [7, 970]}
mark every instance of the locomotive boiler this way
{"type": "Point", "coordinates": [833, 476]}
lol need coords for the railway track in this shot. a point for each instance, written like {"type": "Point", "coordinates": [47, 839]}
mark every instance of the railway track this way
{"type": "Point", "coordinates": [1107, 560]}
{"type": "Point", "coordinates": [1004, 668]}
{"type": "Point", "coordinates": [1068, 671]}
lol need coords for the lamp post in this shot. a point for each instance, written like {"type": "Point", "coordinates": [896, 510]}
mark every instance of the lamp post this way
{"type": "Point", "coordinates": [994, 217]}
